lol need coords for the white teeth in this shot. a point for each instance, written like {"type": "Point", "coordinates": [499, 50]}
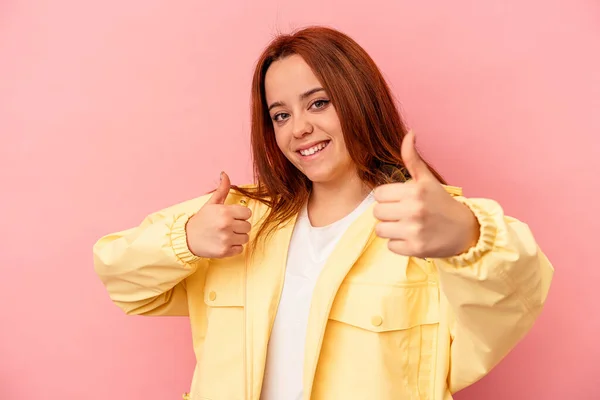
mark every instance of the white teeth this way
{"type": "Point", "coordinates": [314, 149]}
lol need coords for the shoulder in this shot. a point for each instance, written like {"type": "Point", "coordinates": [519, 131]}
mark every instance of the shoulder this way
{"type": "Point", "coordinates": [191, 206]}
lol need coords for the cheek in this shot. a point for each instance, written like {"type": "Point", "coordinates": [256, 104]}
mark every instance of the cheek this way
{"type": "Point", "coordinates": [335, 130]}
{"type": "Point", "coordinates": [343, 149]}
{"type": "Point", "coordinates": [282, 140]}
{"type": "Point", "coordinates": [334, 126]}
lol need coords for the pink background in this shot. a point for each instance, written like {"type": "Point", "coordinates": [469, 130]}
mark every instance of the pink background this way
{"type": "Point", "coordinates": [111, 110]}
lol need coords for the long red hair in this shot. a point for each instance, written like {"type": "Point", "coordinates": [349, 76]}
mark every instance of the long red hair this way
{"type": "Point", "coordinates": [372, 127]}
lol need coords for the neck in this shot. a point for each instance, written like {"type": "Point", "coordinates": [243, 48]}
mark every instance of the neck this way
{"type": "Point", "coordinates": [331, 201]}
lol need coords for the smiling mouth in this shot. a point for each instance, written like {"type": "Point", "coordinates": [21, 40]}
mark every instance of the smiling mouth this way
{"type": "Point", "coordinates": [314, 149]}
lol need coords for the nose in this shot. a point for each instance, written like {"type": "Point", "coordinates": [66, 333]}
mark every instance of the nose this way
{"type": "Point", "coordinates": [301, 127]}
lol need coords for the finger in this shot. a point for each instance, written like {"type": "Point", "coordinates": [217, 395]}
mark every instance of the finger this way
{"type": "Point", "coordinates": [220, 194]}
{"type": "Point", "coordinates": [235, 250]}
{"type": "Point", "coordinates": [238, 239]}
{"type": "Point", "coordinates": [241, 213]}
{"type": "Point", "coordinates": [241, 226]}
{"type": "Point", "coordinates": [392, 192]}
{"type": "Point", "coordinates": [391, 230]}
{"type": "Point", "coordinates": [417, 168]}
{"type": "Point", "coordinates": [400, 247]}
{"type": "Point", "coordinates": [389, 211]}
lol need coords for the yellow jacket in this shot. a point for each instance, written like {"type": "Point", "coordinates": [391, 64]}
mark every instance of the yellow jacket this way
{"type": "Point", "coordinates": [381, 326]}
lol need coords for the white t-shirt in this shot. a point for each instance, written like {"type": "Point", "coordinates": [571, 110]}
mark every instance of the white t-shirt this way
{"type": "Point", "coordinates": [309, 249]}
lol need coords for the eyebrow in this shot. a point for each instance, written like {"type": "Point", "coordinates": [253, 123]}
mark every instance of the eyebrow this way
{"type": "Point", "coordinates": [302, 97]}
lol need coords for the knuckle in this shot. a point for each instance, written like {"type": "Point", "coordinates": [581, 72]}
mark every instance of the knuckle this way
{"type": "Point", "coordinates": [419, 192]}
{"type": "Point", "coordinates": [377, 193]}
{"type": "Point", "coordinates": [222, 224]}
{"type": "Point", "coordinates": [224, 238]}
{"type": "Point", "coordinates": [420, 211]}
{"type": "Point", "coordinates": [378, 230]}
{"type": "Point", "coordinates": [395, 247]}
{"type": "Point", "coordinates": [418, 231]}
{"type": "Point", "coordinates": [221, 211]}
{"type": "Point", "coordinates": [377, 211]}
{"type": "Point", "coordinates": [419, 247]}
{"type": "Point", "coordinates": [381, 211]}
{"type": "Point", "coordinates": [223, 250]}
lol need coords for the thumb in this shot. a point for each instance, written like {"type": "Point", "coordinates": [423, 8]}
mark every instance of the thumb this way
{"type": "Point", "coordinates": [220, 194]}
{"type": "Point", "coordinates": [417, 168]}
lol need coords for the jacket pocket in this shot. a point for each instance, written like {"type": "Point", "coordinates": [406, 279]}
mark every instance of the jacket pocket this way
{"type": "Point", "coordinates": [383, 308]}
{"type": "Point", "coordinates": [388, 334]}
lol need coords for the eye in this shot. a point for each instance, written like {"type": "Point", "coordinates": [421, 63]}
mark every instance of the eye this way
{"type": "Point", "coordinates": [318, 104]}
{"type": "Point", "coordinates": [280, 117]}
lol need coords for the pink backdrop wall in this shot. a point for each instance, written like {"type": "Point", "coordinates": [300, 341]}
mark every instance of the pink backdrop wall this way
{"type": "Point", "coordinates": [505, 98]}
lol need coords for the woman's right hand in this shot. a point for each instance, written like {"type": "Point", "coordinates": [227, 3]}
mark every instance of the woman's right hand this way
{"type": "Point", "coordinates": [218, 230]}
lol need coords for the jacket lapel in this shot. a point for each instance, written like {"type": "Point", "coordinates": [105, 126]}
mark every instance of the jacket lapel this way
{"type": "Point", "coordinates": [264, 283]}
{"type": "Point", "coordinates": [341, 260]}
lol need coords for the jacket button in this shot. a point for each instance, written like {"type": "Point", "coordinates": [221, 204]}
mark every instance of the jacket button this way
{"type": "Point", "coordinates": [243, 202]}
{"type": "Point", "coordinates": [212, 296]}
{"type": "Point", "coordinates": [376, 320]}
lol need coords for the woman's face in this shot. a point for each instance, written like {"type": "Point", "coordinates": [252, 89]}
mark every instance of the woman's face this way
{"type": "Point", "coordinates": [307, 128]}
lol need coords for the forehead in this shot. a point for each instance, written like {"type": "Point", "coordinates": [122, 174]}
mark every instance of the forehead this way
{"type": "Point", "coordinates": [288, 78]}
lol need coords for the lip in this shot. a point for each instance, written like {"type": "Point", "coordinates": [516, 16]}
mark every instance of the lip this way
{"type": "Point", "coordinates": [311, 144]}
{"type": "Point", "coordinates": [316, 155]}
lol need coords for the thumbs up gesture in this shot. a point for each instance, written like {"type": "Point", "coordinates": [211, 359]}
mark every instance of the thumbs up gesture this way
{"type": "Point", "coordinates": [218, 230]}
{"type": "Point", "coordinates": [419, 217]}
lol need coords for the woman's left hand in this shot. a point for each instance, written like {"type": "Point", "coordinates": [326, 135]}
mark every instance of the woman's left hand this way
{"type": "Point", "coordinates": [420, 218]}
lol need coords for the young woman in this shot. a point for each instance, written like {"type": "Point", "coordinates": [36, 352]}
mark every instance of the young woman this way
{"type": "Point", "coordinates": [349, 270]}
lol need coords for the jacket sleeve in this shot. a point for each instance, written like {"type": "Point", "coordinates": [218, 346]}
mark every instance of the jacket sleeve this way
{"type": "Point", "coordinates": [144, 268]}
{"type": "Point", "coordinates": [495, 292]}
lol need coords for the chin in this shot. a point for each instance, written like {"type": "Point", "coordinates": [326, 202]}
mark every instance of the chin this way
{"type": "Point", "coordinates": [319, 176]}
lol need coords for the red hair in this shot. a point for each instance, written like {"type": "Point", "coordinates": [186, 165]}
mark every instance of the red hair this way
{"type": "Point", "coordinates": [371, 124]}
